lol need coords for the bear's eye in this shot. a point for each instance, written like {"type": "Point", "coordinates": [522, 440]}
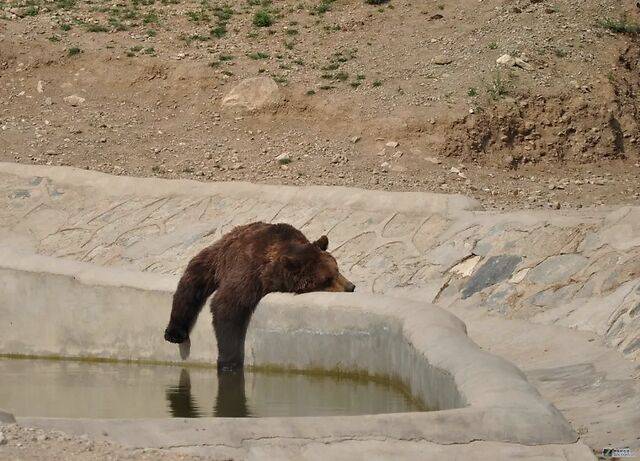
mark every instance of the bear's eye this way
{"type": "Point", "coordinates": [327, 282]}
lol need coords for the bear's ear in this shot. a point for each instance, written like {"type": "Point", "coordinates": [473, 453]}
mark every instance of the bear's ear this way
{"type": "Point", "coordinates": [322, 243]}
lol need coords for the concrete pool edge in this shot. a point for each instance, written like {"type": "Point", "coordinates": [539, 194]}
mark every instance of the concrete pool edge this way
{"type": "Point", "coordinates": [345, 197]}
{"type": "Point", "coordinates": [502, 405]}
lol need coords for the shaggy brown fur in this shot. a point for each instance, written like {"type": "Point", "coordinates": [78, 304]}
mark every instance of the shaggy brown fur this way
{"type": "Point", "coordinates": [242, 267]}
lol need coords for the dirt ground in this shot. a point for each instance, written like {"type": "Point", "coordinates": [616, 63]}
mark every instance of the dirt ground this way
{"type": "Point", "coordinates": [399, 95]}
{"type": "Point", "coordinates": [27, 443]}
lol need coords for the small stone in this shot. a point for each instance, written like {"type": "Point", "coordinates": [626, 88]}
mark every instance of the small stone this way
{"type": "Point", "coordinates": [355, 139]}
{"type": "Point", "coordinates": [283, 159]}
{"type": "Point", "coordinates": [48, 101]}
{"type": "Point", "coordinates": [74, 100]}
{"type": "Point", "coordinates": [506, 60]}
{"type": "Point", "coordinates": [442, 60]}
{"type": "Point", "coordinates": [339, 159]}
{"type": "Point", "coordinates": [454, 170]}
{"type": "Point", "coordinates": [40, 86]}
{"type": "Point", "coordinates": [385, 166]}
{"type": "Point", "coordinates": [522, 64]}
{"type": "Point", "coordinates": [3, 439]}
{"type": "Point", "coordinates": [253, 94]}
{"type": "Point", "coordinates": [42, 438]}
{"type": "Point", "coordinates": [433, 160]}
{"type": "Point", "coordinates": [392, 144]}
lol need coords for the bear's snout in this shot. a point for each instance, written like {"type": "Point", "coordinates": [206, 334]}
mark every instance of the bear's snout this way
{"type": "Point", "coordinates": [343, 284]}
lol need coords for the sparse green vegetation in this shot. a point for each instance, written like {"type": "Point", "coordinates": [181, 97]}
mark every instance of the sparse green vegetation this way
{"type": "Point", "coordinates": [189, 39]}
{"type": "Point", "coordinates": [226, 57]}
{"type": "Point", "coordinates": [263, 18]}
{"type": "Point", "coordinates": [322, 7]}
{"type": "Point", "coordinates": [342, 76]}
{"type": "Point", "coordinates": [117, 24]}
{"type": "Point", "coordinates": [73, 51]}
{"type": "Point", "coordinates": [151, 17]}
{"type": "Point", "coordinates": [560, 52]}
{"type": "Point", "coordinates": [376, 83]}
{"type": "Point", "coordinates": [498, 87]}
{"type": "Point", "coordinates": [493, 45]}
{"type": "Point", "coordinates": [31, 10]}
{"type": "Point", "coordinates": [198, 16]}
{"type": "Point", "coordinates": [472, 92]}
{"type": "Point", "coordinates": [96, 28]}
{"type": "Point", "coordinates": [376, 2]}
{"type": "Point", "coordinates": [258, 55]}
{"type": "Point", "coordinates": [66, 27]}
{"type": "Point", "coordinates": [219, 31]}
{"type": "Point", "coordinates": [54, 39]}
{"type": "Point", "coordinates": [151, 33]}
{"type": "Point", "coordinates": [65, 4]}
{"type": "Point", "coordinates": [310, 92]}
{"type": "Point", "coordinates": [621, 26]}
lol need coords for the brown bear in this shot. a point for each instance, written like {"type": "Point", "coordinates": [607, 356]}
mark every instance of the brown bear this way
{"type": "Point", "coordinates": [242, 267]}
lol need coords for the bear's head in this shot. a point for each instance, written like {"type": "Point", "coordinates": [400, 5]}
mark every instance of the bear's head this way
{"type": "Point", "coordinates": [309, 267]}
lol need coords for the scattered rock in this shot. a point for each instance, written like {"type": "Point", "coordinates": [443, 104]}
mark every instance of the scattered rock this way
{"type": "Point", "coordinates": [506, 60]}
{"type": "Point", "coordinates": [40, 86]}
{"type": "Point", "coordinates": [466, 267]}
{"type": "Point", "coordinates": [442, 60]}
{"type": "Point", "coordinates": [523, 64]}
{"type": "Point", "coordinates": [74, 100]}
{"type": "Point", "coordinates": [434, 160]}
{"type": "Point", "coordinates": [3, 439]}
{"type": "Point", "coordinates": [557, 269]}
{"type": "Point", "coordinates": [355, 139]}
{"type": "Point", "coordinates": [494, 270]}
{"type": "Point", "coordinates": [392, 144]}
{"type": "Point", "coordinates": [339, 159]}
{"type": "Point", "coordinates": [253, 94]}
{"type": "Point", "coordinates": [283, 159]}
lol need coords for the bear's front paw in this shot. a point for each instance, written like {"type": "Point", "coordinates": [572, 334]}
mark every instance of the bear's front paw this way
{"type": "Point", "coordinates": [175, 335]}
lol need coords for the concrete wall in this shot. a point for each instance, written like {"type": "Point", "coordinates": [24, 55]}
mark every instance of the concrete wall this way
{"type": "Point", "coordinates": [65, 308]}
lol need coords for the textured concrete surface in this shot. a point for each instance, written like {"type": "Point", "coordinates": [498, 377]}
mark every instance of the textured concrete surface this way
{"type": "Point", "coordinates": [555, 292]}
{"type": "Point", "coordinates": [577, 269]}
{"type": "Point", "coordinates": [6, 417]}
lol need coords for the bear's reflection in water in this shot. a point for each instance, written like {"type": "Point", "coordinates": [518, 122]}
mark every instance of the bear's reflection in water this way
{"type": "Point", "coordinates": [231, 399]}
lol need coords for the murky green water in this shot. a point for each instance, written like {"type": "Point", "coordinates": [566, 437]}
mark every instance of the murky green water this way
{"type": "Point", "coordinates": [52, 388]}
